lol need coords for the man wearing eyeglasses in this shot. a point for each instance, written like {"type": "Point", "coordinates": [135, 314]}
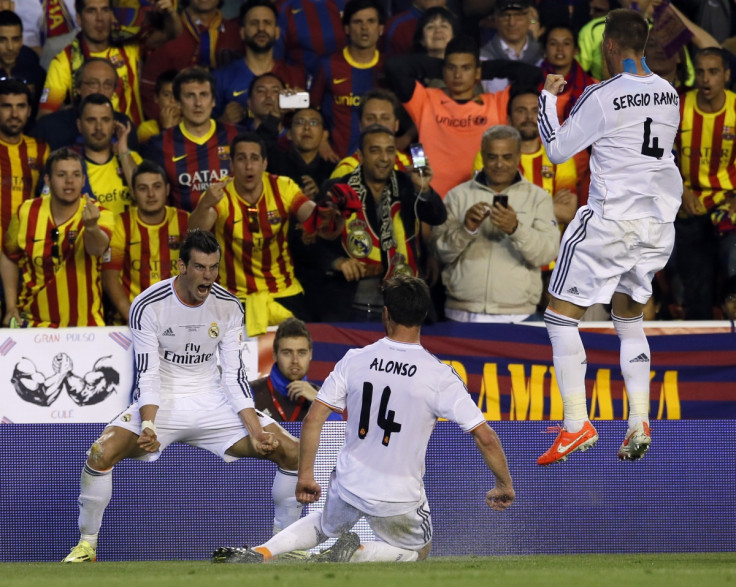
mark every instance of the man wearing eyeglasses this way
{"type": "Point", "coordinates": [513, 40]}
{"type": "Point", "coordinates": [59, 129]}
{"type": "Point", "coordinates": [95, 39]}
{"type": "Point", "coordinates": [303, 163]}
{"type": "Point", "coordinates": [250, 216]}
{"type": "Point", "coordinates": [55, 244]}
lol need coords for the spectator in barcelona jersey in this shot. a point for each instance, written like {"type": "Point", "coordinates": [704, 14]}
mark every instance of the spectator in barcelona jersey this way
{"type": "Point", "coordinates": [250, 216]}
{"type": "Point", "coordinates": [145, 243]}
{"type": "Point", "coordinates": [260, 33]}
{"type": "Point", "coordinates": [59, 272]}
{"type": "Point", "coordinates": [95, 18]}
{"type": "Point", "coordinates": [169, 110]}
{"type": "Point", "coordinates": [206, 40]}
{"type": "Point", "coordinates": [196, 152]}
{"type": "Point", "coordinates": [310, 30]}
{"type": "Point", "coordinates": [343, 77]}
{"type": "Point", "coordinates": [451, 121]}
{"type": "Point", "coordinates": [22, 158]}
{"type": "Point", "coordinates": [18, 61]}
{"type": "Point", "coordinates": [107, 173]}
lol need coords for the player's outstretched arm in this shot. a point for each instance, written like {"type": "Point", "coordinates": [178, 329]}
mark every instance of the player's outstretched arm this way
{"type": "Point", "coordinates": [307, 489]}
{"type": "Point", "coordinates": [503, 494]}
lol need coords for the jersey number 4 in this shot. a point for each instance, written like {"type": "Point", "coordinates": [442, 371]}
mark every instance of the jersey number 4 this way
{"type": "Point", "coordinates": [652, 150]}
{"type": "Point", "coordinates": [385, 416]}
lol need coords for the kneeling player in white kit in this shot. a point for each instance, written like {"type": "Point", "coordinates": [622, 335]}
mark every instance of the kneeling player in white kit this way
{"type": "Point", "coordinates": [179, 327]}
{"type": "Point", "coordinates": [614, 245]}
{"type": "Point", "coordinates": [394, 392]}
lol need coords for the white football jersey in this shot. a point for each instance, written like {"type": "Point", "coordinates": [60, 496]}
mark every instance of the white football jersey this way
{"type": "Point", "coordinates": [176, 346]}
{"type": "Point", "coordinates": [631, 122]}
{"type": "Point", "coordinates": [394, 392]}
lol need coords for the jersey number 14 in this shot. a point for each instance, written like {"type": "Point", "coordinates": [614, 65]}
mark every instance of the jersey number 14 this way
{"type": "Point", "coordinates": [385, 416]}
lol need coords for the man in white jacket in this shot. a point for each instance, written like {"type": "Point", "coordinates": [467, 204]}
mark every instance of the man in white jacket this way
{"type": "Point", "coordinates": [500, 231]}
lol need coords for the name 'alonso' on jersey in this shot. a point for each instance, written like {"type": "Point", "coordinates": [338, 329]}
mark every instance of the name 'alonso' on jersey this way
{"type": "Point", "coordinates": [394, 393]}
{"type": "Point", "coordinates": [631, 121]}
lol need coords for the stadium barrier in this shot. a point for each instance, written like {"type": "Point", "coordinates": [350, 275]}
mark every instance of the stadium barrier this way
{"type": "Point", "coordinates": [508, 369]}
{"type": "Point", "coordinates": [678, 499]}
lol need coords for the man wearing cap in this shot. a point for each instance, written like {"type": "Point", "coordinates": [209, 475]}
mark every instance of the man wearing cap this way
{"type": "Point", "coordinates": [513, 40]}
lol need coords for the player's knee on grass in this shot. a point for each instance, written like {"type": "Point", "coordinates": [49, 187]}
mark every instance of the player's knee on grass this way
{"type": "Point", "coordinates": [424, 552]}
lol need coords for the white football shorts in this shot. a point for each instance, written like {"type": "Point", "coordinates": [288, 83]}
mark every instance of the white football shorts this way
{"type": "Point", "coordinates": [599, 257]}
{"type": "Point", "coordinates": [204, 420]}
{"type": "Point", "coordinates": [411, 531]}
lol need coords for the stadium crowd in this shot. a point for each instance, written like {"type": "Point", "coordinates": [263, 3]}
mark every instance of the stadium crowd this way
{"type": "Point", "coordinates": [124, 124]}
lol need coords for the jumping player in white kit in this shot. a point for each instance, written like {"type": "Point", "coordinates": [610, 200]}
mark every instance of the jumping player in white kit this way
{"type": "Point", "coordinates": [180, 326]}
{"type": "Point", "coordinates": [394, 392]}
{"type": "Point", "coordinates": [614, 246]}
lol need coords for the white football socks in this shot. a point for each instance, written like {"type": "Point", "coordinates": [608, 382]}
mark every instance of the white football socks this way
{"type": "Point", "coordinates": [635, 361]}
{"type": "Point", "coordinates": [94, 495]}
{"type": "Point", "coordinates": [382, 552]}
{"type": "Point", "coordinates": [303, 534]}
{"type": "Point", "coordinates": [570, 363]}
{"type": "Point", "coordinates": [287, 509]}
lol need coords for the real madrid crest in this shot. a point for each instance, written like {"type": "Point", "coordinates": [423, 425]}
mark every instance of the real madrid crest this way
{"type": "Point", "coordinates": [214, 330]}
{"type": "Point", "coordinates": [125, 418]}
{"type": "Point", "coordinates": [359, 242]}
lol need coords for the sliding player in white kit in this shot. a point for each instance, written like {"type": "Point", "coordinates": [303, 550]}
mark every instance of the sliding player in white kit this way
{"type": "Point", "coordinates": [180, 326]}
{"type": "Point", "coordinates": [614, 246]}
{"type": "Point", "coordinates": [394, 392]}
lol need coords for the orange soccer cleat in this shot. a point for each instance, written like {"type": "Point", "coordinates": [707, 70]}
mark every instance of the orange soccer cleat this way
{"type": "Point", "coordinates": [568, 442]}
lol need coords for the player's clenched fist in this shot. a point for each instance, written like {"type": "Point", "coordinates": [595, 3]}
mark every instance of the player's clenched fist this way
{"type": "Point", "coordinates": [308, 491]}
{"type": "Point", "coordinates": [148, 440]}
{"type": "Point", "coordinates": [499, 498]}
{"type": "Point", "coordinates": [554, 83]}
{"type": "Point", "coordinates": [90, 212]}
{"type": "Point", "coordinates": [265, 443]}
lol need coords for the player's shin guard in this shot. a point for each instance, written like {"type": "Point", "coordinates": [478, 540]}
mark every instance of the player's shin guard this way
{"type": "Point", "coordinates": [94, 495]}
{"type": "Point", "coordinates": [301, 535]}
{"type": "Point", "coordinates": [382, 552]}
{"type": "Point", "coordinates": [287, 509]}
{"type": "Point", "coordinates": [570, 363]}
{"type": "Point", "coordinates": [635, 365]}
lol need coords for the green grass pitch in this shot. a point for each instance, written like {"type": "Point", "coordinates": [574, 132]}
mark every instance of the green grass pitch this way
{"type": "Point", "coordinates": [649, 570]}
